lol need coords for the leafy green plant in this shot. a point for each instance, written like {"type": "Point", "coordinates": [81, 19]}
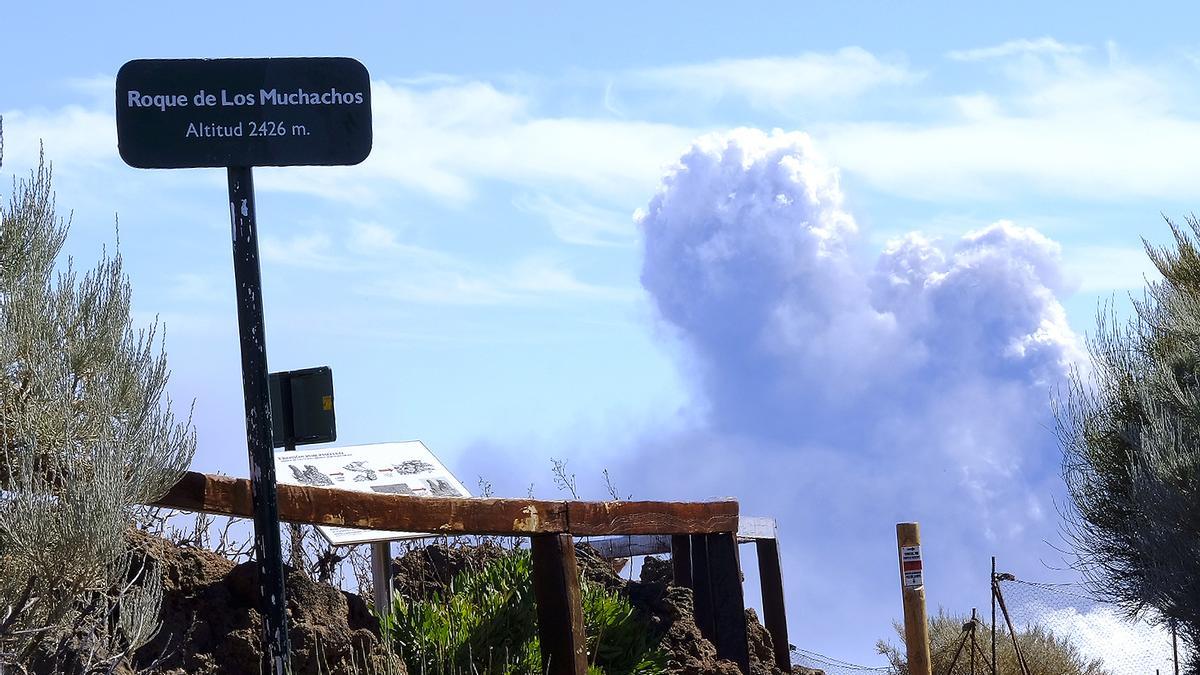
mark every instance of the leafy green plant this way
{"type": "Point", "coordinates": [617, 639]}
{"type": "Point", "coordinates": [487, 623]}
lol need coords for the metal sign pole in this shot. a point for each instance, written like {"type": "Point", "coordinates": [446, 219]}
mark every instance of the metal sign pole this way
{"type": "Point", "coordinates": [381, 576]}
{"type": "Point", "coordinates": [236, 114]}
{"type": "Point", "coordinates": [267, 549]}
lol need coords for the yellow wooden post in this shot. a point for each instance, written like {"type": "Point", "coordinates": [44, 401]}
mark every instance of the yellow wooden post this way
{"type": "Point", "coordinates": [912, 584]}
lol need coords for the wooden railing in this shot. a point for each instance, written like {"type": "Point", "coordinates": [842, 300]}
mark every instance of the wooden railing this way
{"type": "Point", "coordinates": [703, 538]}
{"type": "Point", "coordinates": [453, 515]}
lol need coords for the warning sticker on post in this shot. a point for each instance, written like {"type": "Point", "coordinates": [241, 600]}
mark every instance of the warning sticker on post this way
{"type": "Point", "coordinates": [910, 566]}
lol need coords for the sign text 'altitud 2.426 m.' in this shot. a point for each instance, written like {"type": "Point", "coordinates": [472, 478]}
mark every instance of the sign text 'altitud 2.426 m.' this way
{"type": "Point", "coordinates": [179, 113]}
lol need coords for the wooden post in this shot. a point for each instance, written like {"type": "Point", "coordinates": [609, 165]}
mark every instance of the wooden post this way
{"type": "Point", "coordinates": [702, 587]}
{"type": "Point", "coordinates": [770, 577]}
{"type": "Point", "coordinates": [912, 581]}
{"type": "Point", "coordinates": [729, 605]}
{"type": "Point", "coordinates": [559, 605]}
{"type": "Point", "coordinates": [381, 576]}
{"type": "Point", "coordinates": [681, 559]}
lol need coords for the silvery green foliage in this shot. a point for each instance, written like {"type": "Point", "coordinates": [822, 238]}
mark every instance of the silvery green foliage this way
{"type": "Point", "coordinates": [86, 434]}
{"type": "Point", "coordinates": [1131, 439]}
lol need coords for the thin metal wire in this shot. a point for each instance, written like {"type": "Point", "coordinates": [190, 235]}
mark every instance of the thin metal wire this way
{"type": "Point", "coordinates": [831, 661]}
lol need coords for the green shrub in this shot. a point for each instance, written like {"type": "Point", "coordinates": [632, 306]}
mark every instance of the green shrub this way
{"type": "Point", "coordinates": [618, 641]}
{"type": "Point", "coordinates": [487, 623]}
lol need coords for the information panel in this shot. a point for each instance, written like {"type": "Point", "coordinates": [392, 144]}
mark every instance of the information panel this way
{"type": "Point", "coordinates": [179, 113]}
{"type": "Point", "coordinates": [406, 468]}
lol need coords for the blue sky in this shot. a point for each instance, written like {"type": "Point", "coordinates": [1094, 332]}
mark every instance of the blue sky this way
{"type": "Point", "coordinates": [500, 280]}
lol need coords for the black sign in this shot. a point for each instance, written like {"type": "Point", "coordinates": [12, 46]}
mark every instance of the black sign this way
{"type": "Point", "coordinates": [178, 113]}
{"type": "Point", "coordinates": [303, 399]}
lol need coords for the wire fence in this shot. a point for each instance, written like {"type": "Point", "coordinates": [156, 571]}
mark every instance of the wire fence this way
{"type": "Point", "coordinates": [1103, 639]}
{"type": "Point", "coordinates": [1060, 629]}
{"type": "Point", "coordinates": [831, 666]}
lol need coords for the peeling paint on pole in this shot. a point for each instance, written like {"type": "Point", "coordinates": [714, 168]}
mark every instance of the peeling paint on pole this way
{"type": "Point", "coordinates": [268, 549]}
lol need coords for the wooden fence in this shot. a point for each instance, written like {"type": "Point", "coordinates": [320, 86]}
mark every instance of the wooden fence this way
{"type": "Point", "coordinates": [761, 532]}
{"type": "Point", "coordinates": [702, 538]}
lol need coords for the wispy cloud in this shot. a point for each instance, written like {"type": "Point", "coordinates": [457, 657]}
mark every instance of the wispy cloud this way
{"type": "Point", "coordinates": [776, 81]}
{"type": "Point", "coordinates": [444, 138]}
{"type": "Point", "coordinates": [1043, 45]}
{"type": "Point", "coordinates": [1096, 268]}
{"type": "Point", "coordinates": [193, 287]}
{"type": "Point", "coordinates": [88, 136]}
{"type": "Point", "coordinates": [528, 281]}
{"type": "Point", "coordinates": [314, 250]}
{"type": "Point", "coordinates": [1064, 127]}
{"type": "Point", "coordinates": [579, 222]}
{"type": "Point", "coordinates": [1061, 120]}
{"type": "Point", "coordinates": [99, 88]}
{"type": "Point", "coordinates": [378, 265]}
{"type": "Point", "coordinates": [440, 136]}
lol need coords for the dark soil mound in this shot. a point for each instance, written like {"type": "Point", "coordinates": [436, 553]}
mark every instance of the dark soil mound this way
{"type": "Point", "coordinates": [426, 571]}
{"type": "Point", "coordinates": [668, 610]}
{"type": "Point", "coordinates": [211, 624]}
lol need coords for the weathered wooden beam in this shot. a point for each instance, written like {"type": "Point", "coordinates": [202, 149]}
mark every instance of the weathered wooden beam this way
{"type": "Point", "coordinates": [600, 518]}
{"type": "Point", "coordinates": [702, 587]}
{"type": "Point", "coordinates": [327, 506]}
{"type": "Point", "coordinates": [770, 576]}
{"type": "Point", "coordinates": [681, 560]}
{"type": "Point", "coordinates": [729, 604]}
{"type": "Point", "coordinates": [559, 605]}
